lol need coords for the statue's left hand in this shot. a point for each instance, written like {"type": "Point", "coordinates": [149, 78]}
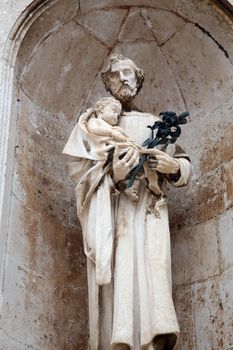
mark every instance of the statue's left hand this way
{"type": "Point", "coordinates": [122, 166]}
{"type": "Point", "coordinates": [161, 161]}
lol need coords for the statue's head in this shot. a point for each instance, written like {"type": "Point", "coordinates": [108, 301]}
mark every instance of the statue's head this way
{"type": "Point", "coordinates": [122, 78]}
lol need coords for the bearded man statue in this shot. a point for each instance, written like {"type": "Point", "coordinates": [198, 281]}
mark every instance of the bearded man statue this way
{"type": "Point", "coordinates": [126, 238]}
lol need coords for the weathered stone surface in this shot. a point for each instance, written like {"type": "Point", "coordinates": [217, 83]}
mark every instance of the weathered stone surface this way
{"type": "Point", "coordinates": [204, 199]}
{"type": "Point", "coordinates": [135, 19]}
{"type": "Point", "coordinates": [211, 17]}
{"type": "Point", "coordinates": [226, 304]}
{"type": "Point", "coordinates": [37, 243]}
{"type": "Point", "coordinates": [53, 74]}
{"type": "Point", "coordinates": [47, 24]}
{"type": "Point", "coordinates": [183, 304]}
{"type": "Point", "coordinates": [164, 24]}
{"type": "Point", "coordinates": [195, 243]}
{"type": "Point", "coordinates": [104, 24]}
{"type": "Point", "coordinates": [225, 227]}
{"type": "Point", "coordinates": [228, 179]}
{"type": "Point", "coordinates": [7, 343]}
{"type": "Point", "coordinates": [207, 139]}
{"type": "Point", "coordinates": [88, 5]}
{"type": "Point", "coordinates": [202, 80]}
{"type": "Point", "coordinates": [212, 307]}
{"type": "Point", "coordinates": [36, 309]}
{"type": "Point", "coordinates": [208, 315]}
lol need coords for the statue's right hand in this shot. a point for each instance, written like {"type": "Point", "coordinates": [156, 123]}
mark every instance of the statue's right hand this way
{"type": "Point", "coordinates": [122, 166]}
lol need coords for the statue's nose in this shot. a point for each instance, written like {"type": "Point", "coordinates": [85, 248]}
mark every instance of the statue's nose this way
{"type": "Point", "coordinates": [123, 77]}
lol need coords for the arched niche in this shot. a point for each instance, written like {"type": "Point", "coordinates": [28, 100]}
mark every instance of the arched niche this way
{"type": "Point", "coordinates": [56, 77]}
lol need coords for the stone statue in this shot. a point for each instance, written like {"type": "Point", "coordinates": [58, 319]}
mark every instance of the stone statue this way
{"type": "Point", "coordinates": [125, 230]}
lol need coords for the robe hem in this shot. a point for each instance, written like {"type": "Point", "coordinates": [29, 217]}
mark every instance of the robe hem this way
{"type": "Point", "coordinates": [148, 343]}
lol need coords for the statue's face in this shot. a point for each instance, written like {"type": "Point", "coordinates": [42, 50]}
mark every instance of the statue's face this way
{"type": "Point", "coordinates": [122, 80]}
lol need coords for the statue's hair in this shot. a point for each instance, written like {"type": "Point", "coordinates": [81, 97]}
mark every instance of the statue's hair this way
{"type": "Point", "coordinates": [100, 104]}
{"type": "Point", "coordinates": [118, 58]}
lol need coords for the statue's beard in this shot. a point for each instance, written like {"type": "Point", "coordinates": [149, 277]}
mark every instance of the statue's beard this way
{"type": "Point", "coordinates": [125, 93]}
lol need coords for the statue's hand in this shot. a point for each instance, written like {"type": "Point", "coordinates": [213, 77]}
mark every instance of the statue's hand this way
{"type": "Point", "coordinates": [122, 166]}
{"type": "Point", "coordinates": [161, 161]}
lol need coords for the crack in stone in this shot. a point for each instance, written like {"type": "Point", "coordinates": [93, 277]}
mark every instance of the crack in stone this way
{"type": "Point", "coordinates": [203, 280]}
{"type": "Point", "coordinates": [90, 33]}
{"type": "Point", "coordinates": [212, 38]}
{"type": "Point", "coordinates": [110, 49]}
{"type": "Point", "coordinates": [150, 26]}
{"type": "Point", "coordinates": [41, 42]}
{"type": "Point", "coordinates": [78, 11]}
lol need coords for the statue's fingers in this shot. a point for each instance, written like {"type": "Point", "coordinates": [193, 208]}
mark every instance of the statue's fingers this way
{"type": "Point", "coordinates": [153, 151]}
{"type": "Point", "coordinates": [150, 151]}
{"type": "Point", "coordinates": [128, 155]}
{"type": "Point", "coordinates": [153, 160]}
{"type": "Point", "coordinates": [133, 159]}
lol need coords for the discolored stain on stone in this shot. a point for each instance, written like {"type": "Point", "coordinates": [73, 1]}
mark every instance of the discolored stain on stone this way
{"type": "Point", "coordinates": [228, 179]}
{"type": "Point", "coordinates": [183, 304]}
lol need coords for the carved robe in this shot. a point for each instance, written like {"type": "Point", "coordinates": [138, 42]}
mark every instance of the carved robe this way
{"type": "Point", "coordinates": [127, 246]}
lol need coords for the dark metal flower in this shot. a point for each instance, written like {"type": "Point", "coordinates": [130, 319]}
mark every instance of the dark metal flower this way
{"type": "Point", "coordinates": [168, 131]}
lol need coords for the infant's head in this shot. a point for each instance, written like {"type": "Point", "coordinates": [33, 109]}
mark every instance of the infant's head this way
{"type": "Point", "coordinates": [108, 109]}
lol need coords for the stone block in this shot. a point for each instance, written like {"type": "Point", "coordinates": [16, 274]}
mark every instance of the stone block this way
{"type": "Point", "coordinates": [135, 28]}
{"type": "Point", "coordinates": [208, 315]}
{"type": "Point", "coordinates": [182, 297]}
{"type": "Point", "coordinates": [89, 5]}
{"type": "Point", "coordinates": [204, 82]}
{"type": "Point", "coordinates": [104, 24]}
{"type": "Point", "coordinates": [226, 297]}
{"type": "Point", "coordinates": [63, 60]}
{"type": "Point", "coordinates": [201, 200]}
{"type": "Point", "coordinates": [225, 232]}
{"type": "Point", "coordinates": [7, 343]}
{"type": "Point", "coordinates": [44, 247]}
{"type": "Point", "coordinates": [46, 24]}
{"type": "Point", "coordinates": [195, 253]}
{"type": "Point", "coordinates": [35, 310]}
{"type": "Point", "coordinates": [164, 24]}
{"type": "Point", "coordinates": [211, 17]}
{"type": "Point", "coordinates": [228, 179]}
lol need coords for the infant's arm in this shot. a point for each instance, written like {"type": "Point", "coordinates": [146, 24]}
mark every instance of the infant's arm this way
{"type": "Point", "coordinates": [99, 127]}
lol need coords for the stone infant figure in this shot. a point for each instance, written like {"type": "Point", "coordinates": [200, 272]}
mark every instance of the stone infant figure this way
{"type": "Point", "coordinates": [106, 115]}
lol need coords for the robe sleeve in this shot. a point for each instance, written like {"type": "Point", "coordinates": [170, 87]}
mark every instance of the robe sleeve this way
{"type": "Point", "coordinates": [185, 171]}
{"type": "Point", "coordinates": [94, 188]}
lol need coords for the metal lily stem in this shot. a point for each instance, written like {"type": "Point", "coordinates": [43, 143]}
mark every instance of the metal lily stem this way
{"type": "Point", "coordinates": [168, 130]}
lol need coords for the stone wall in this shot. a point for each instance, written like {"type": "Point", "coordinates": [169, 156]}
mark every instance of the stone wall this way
{"type": "Point", "coordinates": [185, 48]}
